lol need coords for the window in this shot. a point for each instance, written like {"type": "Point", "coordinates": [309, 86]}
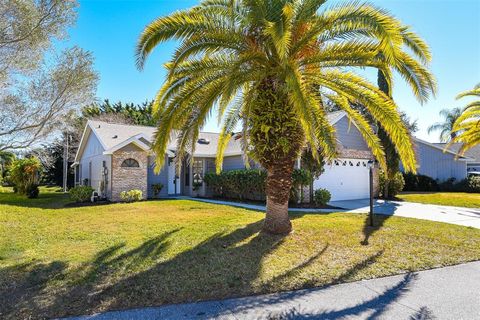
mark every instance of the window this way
{"type": "Point", "coordinates": [187, 176]}
{"type": "Point", "coordinates": [130, 163]}
{"type": "Point", "coordinates": [198, 172]}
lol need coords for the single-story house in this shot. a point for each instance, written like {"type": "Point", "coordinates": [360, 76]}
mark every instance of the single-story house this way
{"type": "Point", "coordinates": [115, 157]}
{"type": "Point", "coordinates": [472, 155]}
{"type": "Point", "coordinates": [437, 163]}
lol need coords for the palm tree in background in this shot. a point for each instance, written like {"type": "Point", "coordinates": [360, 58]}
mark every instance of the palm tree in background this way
{"type": "Point", "coordinates": [467, 126]}
{"type": "Point", "coordinates": [446, 127]}
{"type": "Point", "coordinates": [272, 67]}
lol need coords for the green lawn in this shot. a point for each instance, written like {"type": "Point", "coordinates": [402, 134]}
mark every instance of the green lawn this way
{"type": "Point", "coordinates": [457, 199]}
{"type": "Point", "coordinates": [58, 261]}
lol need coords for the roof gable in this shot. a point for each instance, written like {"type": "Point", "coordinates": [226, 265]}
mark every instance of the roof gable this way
{"type": "Point", "coordinates": [473, 153]}
{"type": "Point", "coordinates": [115, 136]}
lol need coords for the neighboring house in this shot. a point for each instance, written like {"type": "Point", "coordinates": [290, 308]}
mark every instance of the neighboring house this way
{"type": "Point", "coordinates": [472, 155]}
{"type": "Point", "coordinates": [437, 163]}
{"type": "Point", "coordinates": [114, 157]}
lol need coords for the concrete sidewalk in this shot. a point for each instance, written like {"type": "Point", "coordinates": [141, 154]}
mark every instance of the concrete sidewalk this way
{"type": "Point", "coordinates": [445, 293]}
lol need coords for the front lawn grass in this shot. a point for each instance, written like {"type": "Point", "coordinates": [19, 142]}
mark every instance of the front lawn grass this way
{"type": "Point", "coordinates": [59, 261]}
{"type": "Point", "coordinates": [456, 199]}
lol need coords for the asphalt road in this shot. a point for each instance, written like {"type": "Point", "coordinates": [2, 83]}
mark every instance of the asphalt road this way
{"type": "Point", "coordinates": [444, 293]}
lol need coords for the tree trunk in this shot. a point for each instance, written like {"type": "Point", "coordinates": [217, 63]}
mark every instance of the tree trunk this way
{"type": "Point", "coordinates": [385, 187]}
{"type": "Point", "coordinates": [278, 185]}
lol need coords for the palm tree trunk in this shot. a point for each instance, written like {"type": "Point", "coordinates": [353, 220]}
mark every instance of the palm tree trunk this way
{"type": "Point", "coordinates": [278, 185]}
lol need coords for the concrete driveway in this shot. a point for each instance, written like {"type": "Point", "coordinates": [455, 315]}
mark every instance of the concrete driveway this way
{"type": "Point", "coordinates": [455, 215]}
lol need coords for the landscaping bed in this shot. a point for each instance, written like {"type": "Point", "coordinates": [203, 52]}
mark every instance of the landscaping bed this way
{"type": "Point", "coordinates": [262, 203]}
{"type": "Point", "coordinates": [57, 261]}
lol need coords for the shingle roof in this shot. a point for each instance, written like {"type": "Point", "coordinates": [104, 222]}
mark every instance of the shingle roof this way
{"type": "Point", "coordinates": [473, 153]}
{"type": "Point", "coordinates": [112, 134]}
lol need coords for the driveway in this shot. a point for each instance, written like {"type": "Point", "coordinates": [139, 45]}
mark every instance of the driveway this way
{"type": "Point", "coordinates": [455, 215]}
{"type": "Point", "coordinates": [445, 293]}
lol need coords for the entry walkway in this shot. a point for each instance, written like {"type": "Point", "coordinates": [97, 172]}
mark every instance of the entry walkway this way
{"type": "Point", "coordinates": [445, 293]}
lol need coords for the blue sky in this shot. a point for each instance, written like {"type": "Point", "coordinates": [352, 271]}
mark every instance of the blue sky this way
{"type": "Point", "coordinates": [110, 28]}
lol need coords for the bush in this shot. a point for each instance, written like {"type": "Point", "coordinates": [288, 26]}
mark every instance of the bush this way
{"type": "Point", "coordinates": [418, 182]}
{"type": "Point", "coordinates": [473, 184]}
{"type": "Point", "coordinates": [157, 188]}
{"type": "Point", "coordinates": [249, 184]}
{"type": "Point", "coordinates": [394, 187]}
{"type": "Point", "coordinates": [32, 191]}
{"type": "Point", "coordinates": [321, 197]}
{"type": "Point", "coordinates": [131, 195]}
{"type": "Point", "coordinates": [300, 178]}
{"type": "Point", "coordinates": [450, 185]}
{"type": "Point", "coordinates": [24, 174]}
{"type": "Point", "coordinates": [81, 193]}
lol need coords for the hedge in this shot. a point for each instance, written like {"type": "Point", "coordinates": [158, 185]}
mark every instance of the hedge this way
{"type": "Point", "coordinates": [249, 184]}
{"type": "Point", "coordinates": [419, 182]}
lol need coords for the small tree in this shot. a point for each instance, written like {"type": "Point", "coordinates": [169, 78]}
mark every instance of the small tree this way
{"type": "Point", "coordinates": [316, 168]}
{"type": "Point", "coordinates": [25, 174]}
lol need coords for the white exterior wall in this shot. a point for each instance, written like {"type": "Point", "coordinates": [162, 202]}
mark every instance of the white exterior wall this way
{"type": "Point", "coordinates": [93, 153]}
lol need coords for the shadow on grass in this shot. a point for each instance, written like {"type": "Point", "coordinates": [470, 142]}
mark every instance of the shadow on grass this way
{"type": "Point", "coordinates": [378, 219]}
{"type": "Point", "coordinates": [223, 265]}
{"type": "Point", "coordinates": [45, 200]}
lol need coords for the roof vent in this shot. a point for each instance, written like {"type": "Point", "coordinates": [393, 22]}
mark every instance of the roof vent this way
{"type": "Point", "coordinates": [115, 137]}
{"type": "Point", "coordinates": [203, 141]}
{"type": "Point", "coordinates": [98, 127]}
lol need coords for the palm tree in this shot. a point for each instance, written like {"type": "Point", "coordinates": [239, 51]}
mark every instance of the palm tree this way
{"type": "Point", "coordinates": [446, 127]}
{"type": "Point", "coordinates": [467, 126]}
{"type": "Point", "coordinates": [272, 67]}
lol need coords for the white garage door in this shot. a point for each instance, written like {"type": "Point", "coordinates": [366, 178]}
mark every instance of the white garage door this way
{"type": "Point", "coordinates": [346, 179]}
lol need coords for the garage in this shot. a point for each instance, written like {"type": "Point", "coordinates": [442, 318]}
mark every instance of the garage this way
{"type": "Point", "coordinates": [346, 179]}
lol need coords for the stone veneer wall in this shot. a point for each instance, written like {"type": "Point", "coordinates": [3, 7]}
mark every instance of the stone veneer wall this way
{"type": "Point", "coordinates": [124, 179]}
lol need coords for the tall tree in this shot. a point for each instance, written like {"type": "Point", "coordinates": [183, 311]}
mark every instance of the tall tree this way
{"type": "Point", "coordinates": [38, 89]}
{"type": "Point", "coordinates": [138, 114]}
{"type": "Point", "coordinates": [467, 126]}
{"type": "Point", "coordinates": [27, 29]}
{"type": "Point", "coordinates": [35, 109]}
{"type": "Point", "coordinates": [446, 126]}
{"type": "Point", "coordinates": [272, 66]}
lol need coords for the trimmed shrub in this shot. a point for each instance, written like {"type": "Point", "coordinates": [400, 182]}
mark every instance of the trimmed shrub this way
{"type": "Point", "coordinates": [321, 197]}
{"type": "Point", "coordinates": [81, 193]}
{"type": "Point", "coordinates": [157, 188]}
{"type": "Point", "coordinates": [394, 187]}
{"type": "Point", "coordinates": [450, 185]}
{"type": "Point", "coordinates": [131, 195]}
{"type": "Point", "coordinates": [473, 184]}
{"type": "Point", "coordinates": [32, 191]}
{"type": "Point", "coordinates": [418, 182]}
{"type": "Point", "coordinates": [249, 184]}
